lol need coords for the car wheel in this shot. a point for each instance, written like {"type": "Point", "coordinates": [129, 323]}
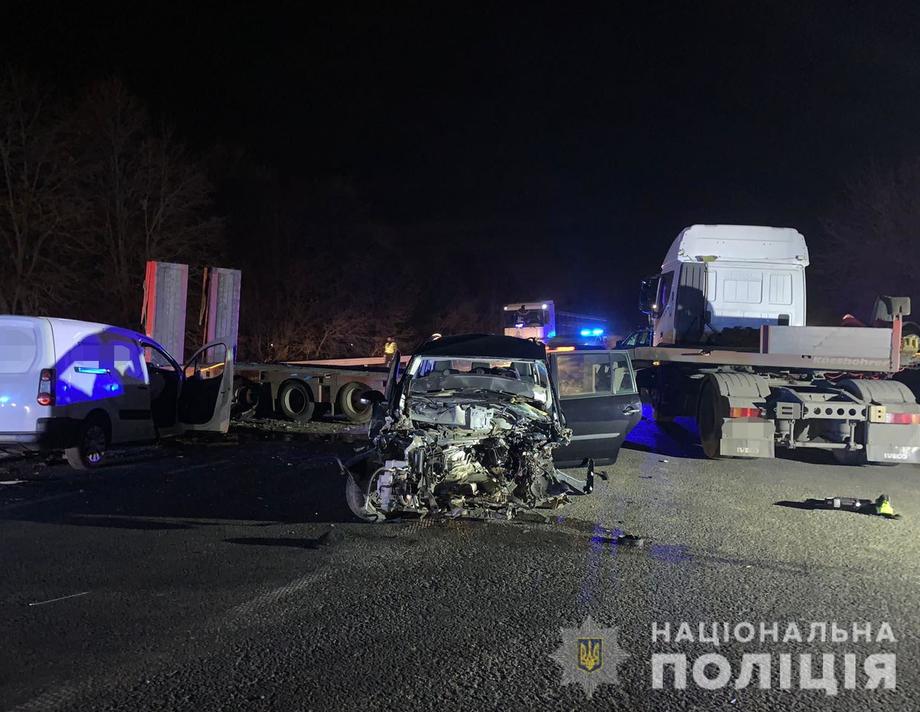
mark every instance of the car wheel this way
{"type": "Point", "coordinates": [92, 444]}
{"type": "Point", "coordinates": [295, 402]}
{"type": "Point", "coordinates": [350, 404]}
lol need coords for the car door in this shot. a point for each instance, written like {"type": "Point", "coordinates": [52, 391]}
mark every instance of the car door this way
{"type": "Point", "coordinates": [163, 377]}
{"type": "Point", "coordinates": [207, 389]}
{"type": "Point", "coordinates": [600, 402]}
{"type": "Point", "coordinates": [129, 382]}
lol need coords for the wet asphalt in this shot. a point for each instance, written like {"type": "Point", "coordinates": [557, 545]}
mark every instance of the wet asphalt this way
{"type": "Point", "coordinates": [230, 575]}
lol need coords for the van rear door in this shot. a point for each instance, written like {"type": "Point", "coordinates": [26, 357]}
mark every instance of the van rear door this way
{"type": "Point", "coordinates": [600, 402]}
{"type": "Point", "coordinates": [26, 346]}
{"type": "Point", "coordinates": [207, 391]}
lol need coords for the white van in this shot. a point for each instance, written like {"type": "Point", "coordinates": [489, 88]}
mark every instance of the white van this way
{"type": "Point", "coordinates": [80, 387]}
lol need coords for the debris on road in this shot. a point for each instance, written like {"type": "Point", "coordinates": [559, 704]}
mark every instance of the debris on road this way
{"type": "Point", "coordinates": [313, 429]}
{"type": "Point", "coordinates": [880, 506]}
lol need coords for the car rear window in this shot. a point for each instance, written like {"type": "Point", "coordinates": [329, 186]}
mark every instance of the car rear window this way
{"type": "Point", "coordinates": [18, 348]}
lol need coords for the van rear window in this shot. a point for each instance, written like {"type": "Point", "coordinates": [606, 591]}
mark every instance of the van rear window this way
{"type": "Point", "coordinates": [18, 348]}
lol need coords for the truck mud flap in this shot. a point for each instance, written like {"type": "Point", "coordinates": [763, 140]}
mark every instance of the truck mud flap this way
{"type": "Point", "coordinates": [892, 443]}
{"type": "Point", "coordinates": [746, 437]}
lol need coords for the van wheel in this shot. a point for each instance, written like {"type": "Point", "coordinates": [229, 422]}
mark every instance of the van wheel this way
{"type": "Point", "coordinates": [90, 450]}
{"type": "Point", "coordinates": [350, 404]}
{"type": "Point", "coordinates": [296, 402]}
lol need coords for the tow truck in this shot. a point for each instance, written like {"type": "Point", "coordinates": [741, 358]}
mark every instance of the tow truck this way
{"type": "Point", "coordinates": [731, 348]}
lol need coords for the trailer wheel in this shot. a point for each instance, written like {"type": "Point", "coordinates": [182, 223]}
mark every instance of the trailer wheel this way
{"type": "Point", "coordinates": [245, 399]}
{"type": "Point", "coordinates": [709, 420]}
{"type": "Point", "coordinates": [349, 402]}
{"type": "Point", "coordinates": [295, 402]}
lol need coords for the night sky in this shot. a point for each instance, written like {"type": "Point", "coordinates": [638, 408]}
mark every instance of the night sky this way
{"type": "Point", "coordinates": [590, 133]}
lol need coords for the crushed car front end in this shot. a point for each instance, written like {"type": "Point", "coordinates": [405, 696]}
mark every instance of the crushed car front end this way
{"type": "Point", "coordinates": [469, 428]}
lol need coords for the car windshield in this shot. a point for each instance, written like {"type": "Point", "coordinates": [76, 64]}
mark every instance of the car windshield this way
{"type": "Point", "coordinates": [450, 376]}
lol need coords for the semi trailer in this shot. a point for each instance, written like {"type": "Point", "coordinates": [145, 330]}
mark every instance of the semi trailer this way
{"type": "Point", "coordinates": [730, 347]}
{"type": "Point", "coordinates": [294, 391]}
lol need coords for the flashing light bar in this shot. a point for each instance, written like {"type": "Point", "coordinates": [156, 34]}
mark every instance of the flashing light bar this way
{"type": "Point", "coordinates": [591, 332]}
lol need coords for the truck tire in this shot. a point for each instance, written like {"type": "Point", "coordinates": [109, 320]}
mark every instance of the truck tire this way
{"type": "Point", "coordinates": [854, 458]}
{"type": "Point", "coordinates": [709, 420]}
{"type": "Point", "coordinates": [659, 413]}
{"type": "Point", "coordinates": [92, 443]}
{"type": "Point", "coordinates": [349, 402]}
{"type": "Point", "coordinates": [295, 401]}
{"type": "Point", "coordinates": [872, 391]}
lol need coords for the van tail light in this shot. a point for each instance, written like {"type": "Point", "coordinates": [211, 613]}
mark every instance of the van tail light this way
{"type": "Point", "coordinates": [46, 387]}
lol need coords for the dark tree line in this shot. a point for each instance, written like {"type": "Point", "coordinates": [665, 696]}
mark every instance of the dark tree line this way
{"type": "Point", "coordinates": [872, 241]}
{"type": "Point", "coordinates": [92, 189]}
{"type": "Point", "coordinates": [94, 186]}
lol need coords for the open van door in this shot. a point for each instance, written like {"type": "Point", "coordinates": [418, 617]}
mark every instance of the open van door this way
{"type": "Point", "coordinates": [600, 401]}
{"type": "Point", "coordinates": [207, 390]}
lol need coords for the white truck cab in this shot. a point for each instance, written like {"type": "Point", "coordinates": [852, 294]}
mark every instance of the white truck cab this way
{"type": "Point", "coordinates": [717, 277]}
{"type": "Point", "coordinates": [79, 387]}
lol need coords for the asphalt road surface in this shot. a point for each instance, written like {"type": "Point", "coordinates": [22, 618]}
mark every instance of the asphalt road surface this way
{"type": "Point", "coordinates": [210, 576]}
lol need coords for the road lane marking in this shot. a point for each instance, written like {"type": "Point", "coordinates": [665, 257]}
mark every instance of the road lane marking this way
{"type": "Point", "coordinates": [200, 467]}
{"type": "Point", "coordinates": [59, 598]}
{"type": "Point", "coordinates": [43, 500]}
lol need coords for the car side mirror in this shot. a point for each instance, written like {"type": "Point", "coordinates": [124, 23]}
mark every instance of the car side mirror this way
{"type": "Point", "coordinates": [648, 291]}
{"type": "Point", "coordinates": [372, 397]}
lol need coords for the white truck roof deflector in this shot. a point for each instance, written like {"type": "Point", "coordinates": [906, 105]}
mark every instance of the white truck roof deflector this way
{"type": "Point", "coordinates": [738, 243]}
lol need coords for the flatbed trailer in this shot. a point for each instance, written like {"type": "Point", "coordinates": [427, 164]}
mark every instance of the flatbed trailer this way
{"type": "Point", "coordinates": [295, 390]}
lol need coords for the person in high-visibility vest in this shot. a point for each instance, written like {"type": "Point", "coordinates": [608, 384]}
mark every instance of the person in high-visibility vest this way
{"type": "Point", "coordinates": [389, 350]}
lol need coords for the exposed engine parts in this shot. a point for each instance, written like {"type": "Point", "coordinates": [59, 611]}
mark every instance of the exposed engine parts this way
{"type": "Point", "coordinates": [463, 435]}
